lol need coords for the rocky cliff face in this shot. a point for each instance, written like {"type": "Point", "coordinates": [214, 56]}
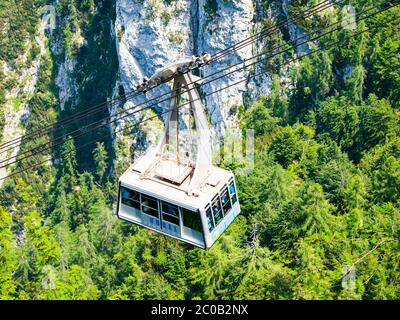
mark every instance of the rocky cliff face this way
{"type": "Point", "coordinates": [16, 108]}
{"type": "Point", "coordinates": [148, 34]}
{"type": "Point", "coordinates": [229, 23]}
{"type": "Point", "coordinates": [152, 33]}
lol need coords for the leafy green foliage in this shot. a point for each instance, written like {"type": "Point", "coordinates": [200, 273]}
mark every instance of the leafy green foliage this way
{"type": "Point", "coordinates": [18, 23]}
{"type": "Point", "coordinates": [313, 81]}
{"type": "Point", "coordinates": [320, 211]}
{"type": "Point", "coordinates": [7, 284]}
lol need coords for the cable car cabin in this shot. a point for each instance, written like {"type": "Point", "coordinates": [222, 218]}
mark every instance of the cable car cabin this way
{"type": "Point", "coordinates": [160, 206]}
{"type": "Point", "coordinates": [173, 188]}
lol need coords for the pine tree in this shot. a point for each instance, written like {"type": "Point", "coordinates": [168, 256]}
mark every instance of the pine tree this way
{"type": "Point", "coordinates": [7, 258]}
{"type": "Point", "coordinates": [313, 281]}
{"type": "Point", "coordinates": [339, 118]}
{"type": "Point", "coordinates": [286, 146]}
{"type": "Point", "coordinates": [386, 181]}
{"type": "Point", "coordinates": [62, 211]}
{"type": "Point", "coordinates": [75, 284]}
{"type": "Point", "coordinates": [68, 163]}
{"type": "Point", "coordinates": [317, 211]}
{"type": "Point", "coordinates": [85, 251]}
{"type": "Point", "coordinates": [43, 239]}
{"type": "Point", "coordinates": [378, 123]}
{"type": "Point", "coordinates": [100, 158]}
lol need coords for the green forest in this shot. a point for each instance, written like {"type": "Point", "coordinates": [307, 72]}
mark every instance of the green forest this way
{"type": "Point", "coordinates": [320, 213]}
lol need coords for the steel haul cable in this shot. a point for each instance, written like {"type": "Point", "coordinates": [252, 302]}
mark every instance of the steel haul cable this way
{"type": "Point", "coordinates": [322, 6]}
{"type": "Point", "coordinates": [105, 105]}
{"type": "Point", "coordinates": [62, 137]}
{"type": "Point", "coordinates": [137, 123]}
{"type": "Point", "coordinates": [100, 122]}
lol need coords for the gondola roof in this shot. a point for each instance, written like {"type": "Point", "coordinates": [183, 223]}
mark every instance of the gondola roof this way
{"type": "Point", "coordinates": [174, 192]}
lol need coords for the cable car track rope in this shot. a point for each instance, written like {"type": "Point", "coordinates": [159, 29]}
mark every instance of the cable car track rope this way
{"type": "Point", "coordinates": [322, 6]}
{"type": "Point", "coordinates": [208, 94]}
{"type": "Point", "coordinates": [106, 105]}
{"type": "Point", "coordinates": [83, 130]}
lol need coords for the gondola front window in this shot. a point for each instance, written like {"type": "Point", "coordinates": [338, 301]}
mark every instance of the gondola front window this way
{"type": "Point", "coordinates": [130, 198]}
{"type": "Point", "coordinates": [225, 200]}
{"type": "Point", "coordinates": [210, 221]}
{"type": "Point", "coordinates": [232, 191]}
{"type": "Point", "coordinates": [216, 209]}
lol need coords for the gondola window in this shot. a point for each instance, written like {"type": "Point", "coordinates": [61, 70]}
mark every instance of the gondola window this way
{"type": "Point", "coordinates": [191, 220]}
{"type": "Point", "coordinates": [130, 198]}
{"type": "Point", "coordinates": [150, 206]}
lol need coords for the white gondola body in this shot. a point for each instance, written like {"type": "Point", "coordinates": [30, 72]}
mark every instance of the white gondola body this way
{"type": "Point", "coordinates": [198, 220]}
{"type": "Point", "coordinates": [184, 198]}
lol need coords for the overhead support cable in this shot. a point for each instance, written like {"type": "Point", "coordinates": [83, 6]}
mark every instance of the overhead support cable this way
{"type": "Point", "coordinates": [208, 94]}
{"type": "Point", "coordinates": [59, 125]}
{"type": "Point", "coordinates": [110, 119]}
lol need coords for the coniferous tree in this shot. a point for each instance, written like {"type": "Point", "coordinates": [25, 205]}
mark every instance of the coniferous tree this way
{"type": "Point", "coordinates": [68, 163]}
{"type": "Point", "coordinates": [100, 159]}
{"type": "Point", "coordinates": [7, 258]}
{"type": "Point", "coordinates": [378, 123]}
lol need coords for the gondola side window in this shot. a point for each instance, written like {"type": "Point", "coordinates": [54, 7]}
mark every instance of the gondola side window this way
{"type": "Point", "coordinates": [150, 206]}
{"type": "Point", "coordinates": [191, 219]}
{"type": "Point", "coordinates": [232, 191]}
{"type": "Point", "coordinates": [170, 213]}
{"type": "Point", "coordinates": [216, 209]}
{"type": "Point", "coordinates": [130, 198]}
{"type": "Point", "coordinates": [210, 220]}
